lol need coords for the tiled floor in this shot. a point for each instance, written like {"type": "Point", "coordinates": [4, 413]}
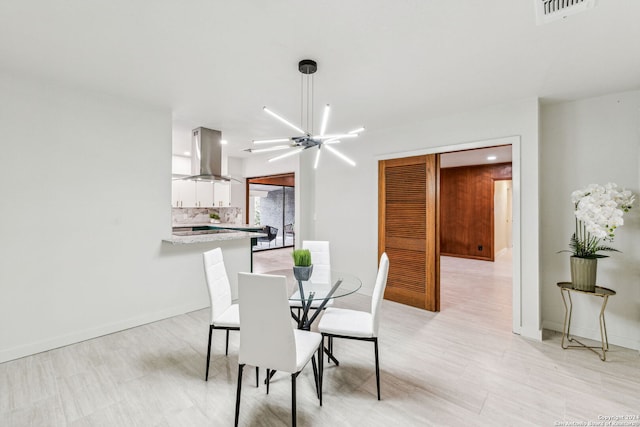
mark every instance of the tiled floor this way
{"type": "Point", "coordinates": [459, 367]}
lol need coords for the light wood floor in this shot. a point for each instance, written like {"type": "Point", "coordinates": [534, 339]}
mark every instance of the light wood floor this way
{"type": "Point", "coordinates": [459, 367]}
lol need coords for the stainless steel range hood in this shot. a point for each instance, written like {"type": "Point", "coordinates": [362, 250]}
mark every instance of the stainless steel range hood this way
{"type": "Point", "coordinates": [208, 162]}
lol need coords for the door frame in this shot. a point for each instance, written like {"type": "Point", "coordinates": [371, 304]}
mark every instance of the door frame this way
{"type": "Point", "coordinates": [516, 165]}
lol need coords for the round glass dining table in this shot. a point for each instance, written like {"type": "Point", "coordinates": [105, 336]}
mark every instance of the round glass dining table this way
{"type": "Point", "coordinates": [316, 292]}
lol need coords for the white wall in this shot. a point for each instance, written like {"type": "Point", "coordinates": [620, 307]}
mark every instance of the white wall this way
{"type": "Point", "coordinates": [237, 190]}
{"type": "Point", "coordinates": [85, 181]}
{"type": "Point", "coordinates": [591, 141]}
{"type": "Point", "coordinates": [346, 197]}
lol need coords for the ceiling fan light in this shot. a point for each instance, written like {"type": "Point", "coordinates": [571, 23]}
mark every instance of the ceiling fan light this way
{"type": "Point", "coordinates": [282, 156]}
{"type": "Point", "coordinates": [283, 120]}
{"type": "Point", "coordinates": [315, 164]}
{"type": "Point", "coordinates": [342, 156]}
{"type": "Point", "coordinates": [357, 130]}
{"type": "Point", "coordinates": [269, 141]}
{"type": "Point", "coordinates": [325, 119]}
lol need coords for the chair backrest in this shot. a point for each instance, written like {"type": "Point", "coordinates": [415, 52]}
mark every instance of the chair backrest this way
{"type": "Point", "coordinates": [273, 232]}
{"type": "Point", "coordinates": [321, 260]}
{"type": "Point", "coordinates": [378, 291]}
{"type": "Point", "coordinates": [217, 282]}
{"type": "Point", "coordinates": [266, 333]}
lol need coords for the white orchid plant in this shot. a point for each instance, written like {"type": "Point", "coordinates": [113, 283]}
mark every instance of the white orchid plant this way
{"type": "Point", "coordinates": [598, 211]}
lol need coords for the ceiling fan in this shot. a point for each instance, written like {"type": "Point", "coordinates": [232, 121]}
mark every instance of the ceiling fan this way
{"type": "Point", "coordinates": [306, 138]}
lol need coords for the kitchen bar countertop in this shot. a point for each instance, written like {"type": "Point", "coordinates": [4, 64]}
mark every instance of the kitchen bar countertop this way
{"type": "Point", "coordinates": [228, 232]}
{"type": "Point", "coordinates": [217, 225]}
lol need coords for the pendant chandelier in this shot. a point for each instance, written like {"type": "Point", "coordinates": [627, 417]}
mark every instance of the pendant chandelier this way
{"type": "Point", "coordinates": [306, 138]}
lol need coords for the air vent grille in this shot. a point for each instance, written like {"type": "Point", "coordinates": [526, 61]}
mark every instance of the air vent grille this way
{"type": "Point", "coordinates": [550, 10]}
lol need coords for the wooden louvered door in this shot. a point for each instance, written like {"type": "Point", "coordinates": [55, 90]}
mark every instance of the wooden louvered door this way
{"type": "Point", "coordinates": [408, 229]}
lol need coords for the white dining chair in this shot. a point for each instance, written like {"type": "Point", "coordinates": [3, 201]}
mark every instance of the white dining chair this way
{"type": "Point", "coordinates": [321, 260]}
{"type": "Point", "coordinates": [268, 338]}
{"type": "Point", "coordinates": [357, 325]}
{"type": "Point", "coordinates": [224, 314]}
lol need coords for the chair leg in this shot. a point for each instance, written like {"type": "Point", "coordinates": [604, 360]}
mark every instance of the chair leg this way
{"type": "Point", "coordinates": [320, 368]}
{"type": "Point", "coordinates": [240, 368]}
{"type": "Point", "coordinates": [206, 375]}
{"type": "Point", "coordinates": [315, 375]}
{"type": "Point", "coordinates": [268, 378]}
{"type": "Point", "coordinates": [257, 376]}
{"type": "Point", "coordinates": [226, 349]}
{"type": "Point", "coordinates": [293, 399]}
{"type": "Point", "coordinates": [375, 343]}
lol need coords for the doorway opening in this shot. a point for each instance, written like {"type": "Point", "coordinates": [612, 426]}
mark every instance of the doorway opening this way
{"type": "Point", "coordinates": [271, 204]}
{"type": "Point", "coordinates": [463, 233]}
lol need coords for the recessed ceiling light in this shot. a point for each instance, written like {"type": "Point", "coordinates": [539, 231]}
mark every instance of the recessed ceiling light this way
{"type": "Point", "coordinates": [223, 142]}
{"type": "Point", "coordinates": [187, 153]}
{"type": "Point", "coordinates": [491, 157]}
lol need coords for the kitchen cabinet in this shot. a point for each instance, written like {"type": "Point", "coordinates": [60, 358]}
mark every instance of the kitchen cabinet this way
{"type": "Point", "coordinates": [191, 194]}
{"type": "Point", "coordinates": [221, 194]}
{"type": "Point", "coordinates": [204, 194]}
{"type": "Point", "coordinates": [183, 194]}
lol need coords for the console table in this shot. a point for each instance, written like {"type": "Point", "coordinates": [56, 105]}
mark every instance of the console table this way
{"type": "Point", "coordinates": [604, 293]}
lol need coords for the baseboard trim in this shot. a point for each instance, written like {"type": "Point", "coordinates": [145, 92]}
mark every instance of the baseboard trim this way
{"type": "Point", "coordinates": [86, 334]}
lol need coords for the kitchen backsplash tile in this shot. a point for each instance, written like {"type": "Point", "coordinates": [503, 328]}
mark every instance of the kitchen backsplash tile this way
{"type": "Point", "coordinates": [201, 215]}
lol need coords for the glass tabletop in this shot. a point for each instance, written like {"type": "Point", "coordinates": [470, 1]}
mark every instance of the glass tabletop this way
{"type": "Point", "coordinates": [318, 290]}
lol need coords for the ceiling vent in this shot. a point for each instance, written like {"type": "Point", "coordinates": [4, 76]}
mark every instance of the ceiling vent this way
{"type": "Point", "coordinates": [550, 10]}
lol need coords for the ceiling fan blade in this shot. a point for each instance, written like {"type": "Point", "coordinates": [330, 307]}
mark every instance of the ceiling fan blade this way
{"type": "Point", "coordinates": [269, 141]}
{"type": "Point", "coordinates": [287, 154]}
{"type": "Point", "coordinates": [325, 119]}
{"type": "Point", "coordinates": [342, 156]}
{"type": "Point", "coordinates": [264, 150]}
{"type": "Point", "coordinates": [315, 164]}
{"type": "Point", "coordinates": [283, 120]}
{"type": "Point", "coordinates": [356, 130]}
{"type": "Point", "coordinates": [332, 141]}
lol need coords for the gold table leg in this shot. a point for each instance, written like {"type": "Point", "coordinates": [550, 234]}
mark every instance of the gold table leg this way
{"type": "Point", "coordinates": [566, 328]}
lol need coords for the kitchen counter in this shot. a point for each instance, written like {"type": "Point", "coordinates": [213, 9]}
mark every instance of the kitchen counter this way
{"type": "Point", "coordinates": [204, 238]}
{"type": "Point", "coordinates": [218, 225]}
{"type": "Point", "coordinates": [239, 227]}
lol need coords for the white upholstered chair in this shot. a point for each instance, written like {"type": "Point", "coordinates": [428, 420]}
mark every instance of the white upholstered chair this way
{"type": "Point", "coordinates": [224, 314]}
{"type": "Point", "coordinates": [321, 260]}
{"type": "Point", "coordinates": [358, 325]}
{"type": "Point", "coordinates": [268, 338]}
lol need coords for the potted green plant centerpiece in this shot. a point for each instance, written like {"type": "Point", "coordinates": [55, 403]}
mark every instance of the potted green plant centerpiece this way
{"type": "Point", "coordinates": [215, 218]}
{"type": "Point", "coordinates": [302, 267]}
{"type": "Point", "coordinates": [598, 213]}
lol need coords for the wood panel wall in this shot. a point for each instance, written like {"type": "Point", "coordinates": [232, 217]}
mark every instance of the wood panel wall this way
{"type": "Point", "coordinates": [466, 209]}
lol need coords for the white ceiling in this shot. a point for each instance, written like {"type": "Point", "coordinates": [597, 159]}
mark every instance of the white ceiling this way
{"type": "Point", "coordinates": [380, 63]}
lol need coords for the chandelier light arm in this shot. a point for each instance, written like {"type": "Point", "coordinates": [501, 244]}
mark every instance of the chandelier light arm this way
{"type": "Point", "coordinates": [264, 150]}
{"type": "Point", "coordinates": [270, 141]}
{"type": "Point", "coordinates": [325, 119]}
{"type": "Point", "coordinates": [327, 137]}
{"type": "Point", "coordinates": [315, 164]}
{"type": "Point", "coordinates": [287, 154]}
{"type": "Point", "coordinates": [339, 154]}
{"type": "Point", "coordinates": [283, 120]}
